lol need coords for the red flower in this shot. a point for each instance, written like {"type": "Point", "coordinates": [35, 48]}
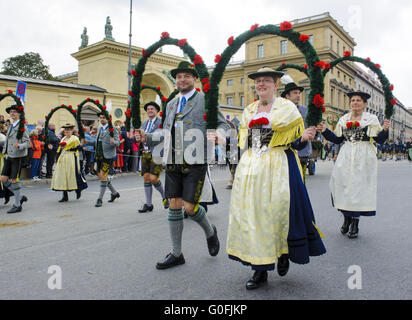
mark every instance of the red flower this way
{"type": "Point", "coordinates": [318, 101]}
{"type": "Point", "coordinates": [349, 125]}
{"type": "Point", "coordinates": [164, 99]}
{"type": "Point", "coordinates": [283, 63]}
{"type": "Point", "coordinates": [230, 40]}
{"type": "Point", "coordinates": [391, 87]}
{"type": "Point", "coordinates": [198, 59]}
{"type": "Point", "coordinates": [143, 52]}
{"type": "Point", "coordinates": [160, 126]}
{"type": "Point", "coordinates": [205, 117]}
{"type": "Point", "coordinates": [164, 35]}
{"type": "Point", "coordinates": [305, 66]}
{"type": "Point", "coordinates": [62, 105]}
{"type": "Point", "coordinates": [393, 102]}
{"type": "Point", "coordinates": [327, 66]}
{"type": "Point", "coordinates": [63, 144]}
{"type": "Point", "coordinates": [206, 88]}
{"type": "Point", "coordinates": [320, 64]}
{"type": "Point", "coordinates": [104, 108]}
{"type": "Point", "coordinates": [181, 43]}
{"type": "Point", "coordinates": [285, 26]}
{"type": "Point", "coordinates": [130, 93]}
{"type": "Point", "coordinates": [378, 66]}
{"type": "Point", "coordinates": [10, 91]}
{"type": "Point", "coordinates": [160, 114]}
{"type": "Point", "coordinates": [111, 130]}
{"type": "Point", "coordinates": [158, 88]}
{"type": "Point", "coordinates": [97, 102]}
{"type": "Point", "coordinates": [88, 99]}
{"type": "Point", "coordinates": [198, 89]}
{"type": "Point", "coordinates": [347, 54]}
{"type": "Point", "coordinates": [45, 117]}
{"type": "Point", "coordinates": [252, 123]}
{"type": "Point", "coordinates": [218, 58]}
{"type": "Point", "coordinates": [357, 124]}
{"type": "Point", "coordinates": [368, 59]}
{"type": "Point", "coordinates": [253, 28]}
{"type": "Point", "coordinates": [128, 113]}
{"type": "Point", "coordinates": [323, 109]}
{"type": "Point", "coordinates": [205, 80]}
{"type": "Point", "coordinates": [192, 66]}
{"type": "Point", "coordinates": [70, 106]}
{"type": "Point", "coordinates": [304, 38]}
{"type": "Point", "coordinates": [21, 108]}
{"type": "Point", "coordinates": [133, 72]}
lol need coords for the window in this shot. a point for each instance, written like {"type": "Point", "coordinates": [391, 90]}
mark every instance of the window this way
{"type": "Point", "coordinates": [242, 101]}
{"type": "Point", "coordinates": [230, 82]}
{"type": "Point", "coordinates": [260, 51]}
{"type": "Point", "coordinates": [331, 42]}
{"type": "Point", "coordinates": [344, 78]}
{"type": "Point", "coordinates": [311, 39]}
{"type": "Point", "coordinates": [332, 95]}
{"type": "Point", "coordinates": [338, 47]}
{"type": "Point", "coordinates": [339, 74]}
{"type": "Point", "coordinates": [242, 80]}
{"type": "Point", "coordinates": [230, 101]}
{"type": "Point", "coordinates": [283, 47]}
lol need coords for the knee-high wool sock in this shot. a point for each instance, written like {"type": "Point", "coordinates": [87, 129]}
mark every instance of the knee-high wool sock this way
{"type": "Point", "coordinates": [103, 185]}
{"type": "Point", "coordinates": [201, 218]}
{"type": "Point", "coordinates": [158, 186]}
{"type": "Point", "coordinates": [176, 230]}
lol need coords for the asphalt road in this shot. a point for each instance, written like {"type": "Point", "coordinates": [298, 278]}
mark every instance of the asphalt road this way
{"type": "Point", "coordinates": [111, 252]}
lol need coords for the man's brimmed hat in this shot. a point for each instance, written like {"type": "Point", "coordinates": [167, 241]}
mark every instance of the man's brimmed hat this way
{"type": "Point", "coordinates": [364, 95]}
{"type": "Point", "coordinates": [68, 126]}
{"type": "Point", "coordinates": [14, 107]}
{"type": "Point", "coordinates": [266, 72]}
{"type": "Point", "coordinates": [184, 66]}
{"type": "Point", "coordinates": [289, 87]}
{"type": "Point", "coordinates": [152, 103]}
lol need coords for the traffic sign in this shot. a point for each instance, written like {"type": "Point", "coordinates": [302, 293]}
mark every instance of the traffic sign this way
{"type": "Point", "coordinates": [21, 90]}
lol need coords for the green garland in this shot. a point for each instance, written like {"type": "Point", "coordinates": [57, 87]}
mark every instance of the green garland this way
{"type": "Point", "coordinates": [72, 111]}
{"type": "Point", "coordinates": [386, 85]}
{"type": "Point", "coordinates": [102, 110]}
{"type": "Point", "coordinates": [293, 66]}
{"type": "Point", "coordinates": [17, 101]}
{"type": "Point", "coordinates": [134, 93]}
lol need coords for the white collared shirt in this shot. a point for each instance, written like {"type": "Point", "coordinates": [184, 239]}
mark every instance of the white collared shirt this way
{"type": "Point", "coordinates": [187, 96]}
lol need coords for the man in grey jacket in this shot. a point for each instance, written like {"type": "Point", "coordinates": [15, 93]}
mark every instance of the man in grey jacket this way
{"type": "Point", "coordinates": [105, 147]}
{"type": "Point", "coordinates": [186, 160]}
{"type": "Point", "coordinates": [15, 151]}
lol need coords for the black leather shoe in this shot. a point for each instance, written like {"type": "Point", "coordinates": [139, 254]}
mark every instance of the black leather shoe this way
{"type": "Point", "coordinates": [170, 261]}
{"type": "Point", "coordinates": [99, 203]}
{"type": "Point", "coordinates": [114, 197]}
{"type": "Point", "coordinates": [15, 209]}
{"type": "Point", "coordinates": [346, 223]}
{"type": "Point", "coordinates": [213, 243]}
{"type": "Point", "coordinates": [146, 208]}
{"type": "Point", "coordinates": [78, 194]}
{"type": "Point", "coordinates": [6, 199]}
{"type": "Point", "coordinates": [166, 203]}
{"type": "Point", "coordinates": [65, 197]}
{"type": "Point", "coordinates": [23, 199]}
{"type": "Point", "coordinates": [283, 265]}
{"type": "Point", "coordinates": [185, 215]}
{"type": "Point", "coordinates": [354, 229]}
{"type": "Point", "coordinates": [259, 277]}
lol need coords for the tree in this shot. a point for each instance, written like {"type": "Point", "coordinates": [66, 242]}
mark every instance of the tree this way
{"type": "Point", "coordinates": [29, 65]}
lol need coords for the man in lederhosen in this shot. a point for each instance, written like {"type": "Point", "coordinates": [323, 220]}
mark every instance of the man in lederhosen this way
{"type": "Point", "coordinates": [186, 160]}
{"type": "Point", "coordinates": [150, 170]}
{"type": "Point", "coordinates": [105, 147]}
{"type": "Point", "coordinates": [15, 151]}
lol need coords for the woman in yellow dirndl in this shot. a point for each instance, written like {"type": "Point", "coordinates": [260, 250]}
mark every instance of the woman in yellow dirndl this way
{"type": "Point", "coordinates": [67, 175]}
{"type": "Point", "coordinates": [271, 218]}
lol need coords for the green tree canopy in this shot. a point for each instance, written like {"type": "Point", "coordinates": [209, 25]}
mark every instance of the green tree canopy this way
{"type": "Point", "coordinates": [29, 65]}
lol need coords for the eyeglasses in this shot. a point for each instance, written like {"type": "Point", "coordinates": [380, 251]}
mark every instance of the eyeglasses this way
{"type": "Point", "coordinates": [265, 81]}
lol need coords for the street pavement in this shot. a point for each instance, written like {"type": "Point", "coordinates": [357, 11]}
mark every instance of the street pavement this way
{"type": "Point", "coordinates": [111, 252]}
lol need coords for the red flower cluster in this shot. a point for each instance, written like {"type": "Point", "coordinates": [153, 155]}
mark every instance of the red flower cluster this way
{"type": "Point", "coordinates": [305, 66]}
{"type": "Point", "coordinates": [198, 59]}
{"type": "Point", "coordinates": [97, 102]}
{"type": "Point", "coordinates": [351, 124]}
{"type": "Point", "coordinates": [182, 42]}
{"type": "Point", "coordinates": [10, 91]}
{"type": "Point", "coordinates": [198, 89]}
{"type": "Point", "coordinates": [63, 105]}
{"type": "Point", "coordinates": [70, 106]}
{"type": "Point", "coordinates": [320, 64]}
{"type": "Point", "coordinates": [21, 108]}
{"type": "Point", "coordinates": [327, 66]}
{"type": "Point", "coordinates": [143, 85]}
{"type": "Point", "coordinates": [378, 66]}
{"type": "Point", "coordinates": [205, 80]}
{"type": "Point", "coordinates": [205, 117]}
{"type": "Point", "coordinates": [128, 113]}
{"type": "Point", "coordinates": [158, 88]}
{"type": "Point", "coordinates": [111, 130]}
{"type": "Point", "coordinates": [160, 126]}
{"type": "Point", "coordinates": [304, 38]}
{"type": "Point", "coordinates": [368, 59]}
{"type": "Point", "coordinates": [218, 58]}
{"type": "Point", "coordinates": [206, 87]}
{"type": "Point", "coordinates": [323, 109]}
{"type": "Point", "coordinates": [88, 99]}
{"type": "Point", "coordinates": [22, 130]}
{"type": "Point", "coordinates": [160, 114]}
{"type": "Point", "coordinates": [104, 108]}
{"type": "Point", "coordinates": [130, 93]}
{"type": "Point", "coordinates": [164, 99]}
{"type": "Point", "coordinates": [230, 40]}
{"type": "Point", "coordinates": [393, 102]}
{"type": "Point", "coordinates": [318, 101]}
{"type": "Point", "coordinates": [253, 28]}
{"type": "Point", "coordinates": [74, 111]}
{"type": "Point", "coordinates": [391, 87]}
{"type": "Point", "coordinates": [63, 144]}
{"type": "Point", "coordinates": [285, 26]}
{"type": "Point", "coordinates": [258, 122]}
{"type": "Point", "coordinates": [347, 54]}
{"type": "Point", "coordinates": [283, 63]}
{"type": "Point", "coordinates": [143, 52]}
{"type": "Point", "coordinates": [164, 35]}
{"type": "Point", "coordinates": [133, 72]}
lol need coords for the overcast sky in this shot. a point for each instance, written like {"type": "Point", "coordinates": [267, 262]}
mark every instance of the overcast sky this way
{"type": "Point", "coordinates": [53, 28]}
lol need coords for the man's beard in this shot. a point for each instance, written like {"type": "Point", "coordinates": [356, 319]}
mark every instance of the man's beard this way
{"type": "Point", "coordinates": [186, 90]}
